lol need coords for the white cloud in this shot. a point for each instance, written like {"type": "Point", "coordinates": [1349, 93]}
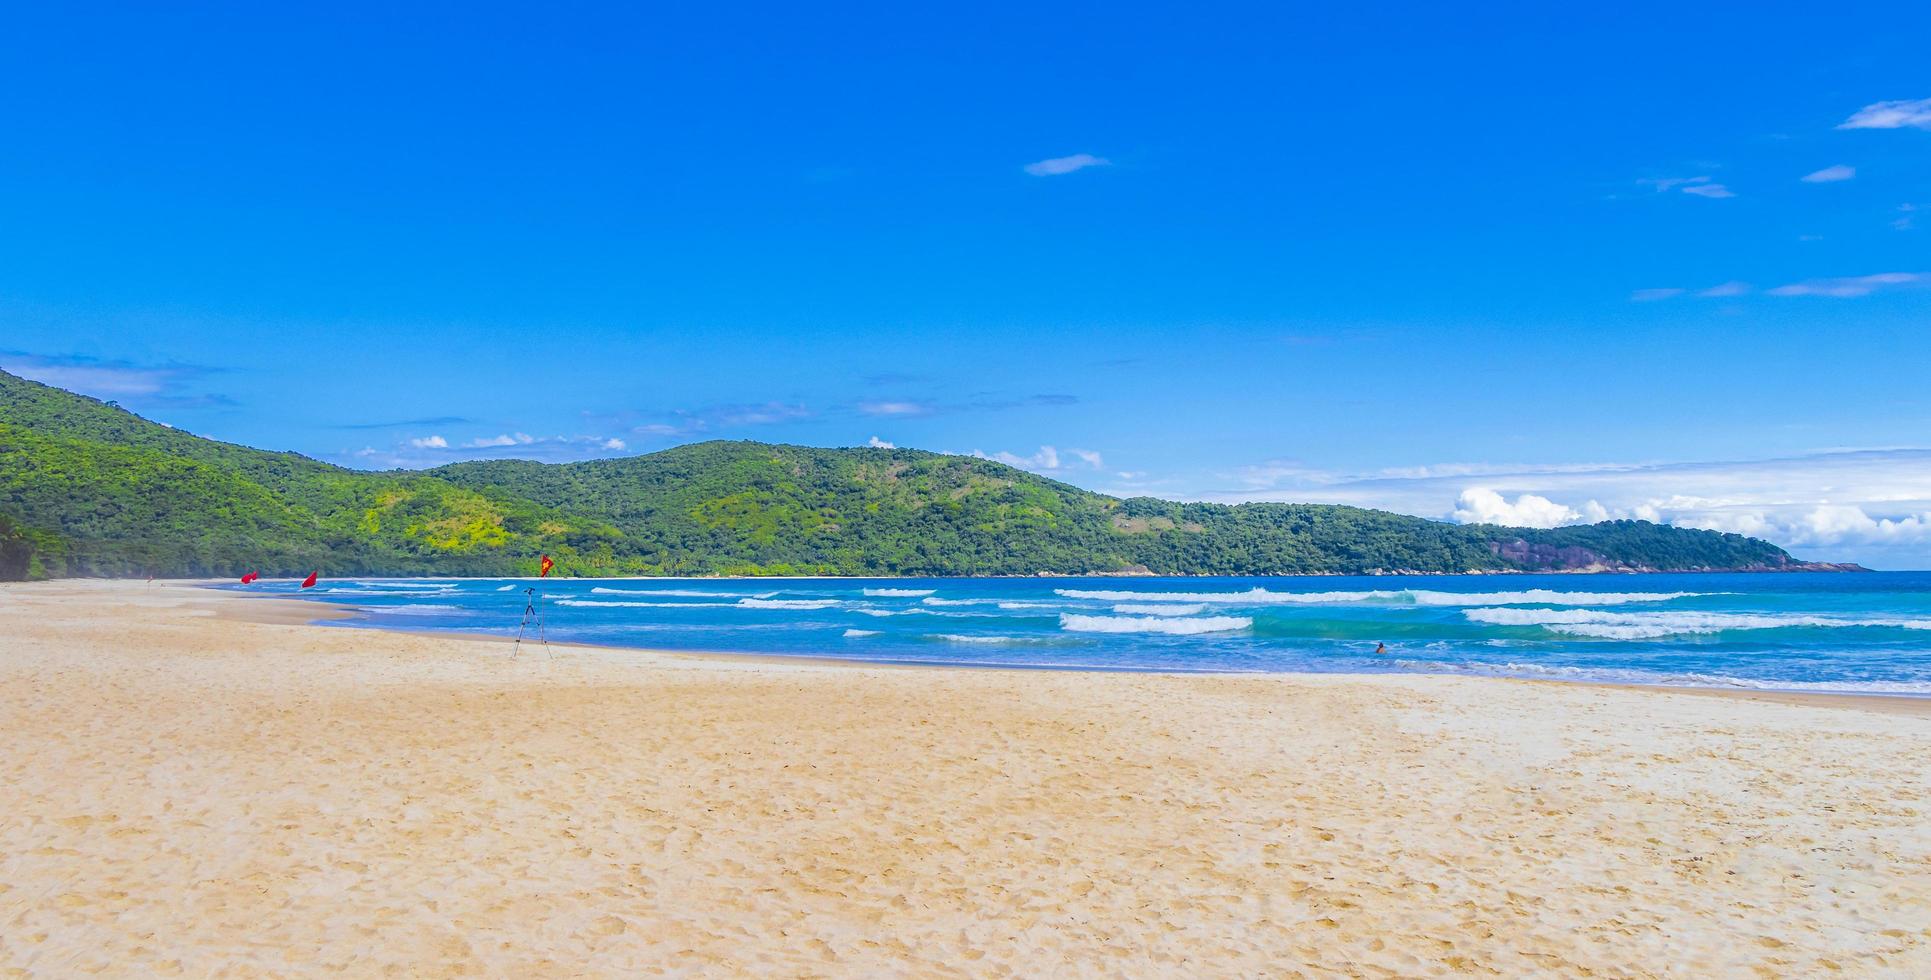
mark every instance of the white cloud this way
{"type": "Point", "coordinates": [1047, 459]}
{"type": "Point", "coordinates": [430, 442]}
{"type": "Point", "coordinates": [1726, 289]}
{"type": "Point", "coordinates": [894, 408]}
{"type": "Point", "coordinates": [506, 439]}
{"type": "Point", "coordinates": [614, 443]}
{"type": "Point", "coordinates": [1915, 113]}
{"type": "Point", "coordinates": [1478, 505]}
{"type": "Point", "coordinates": [1851, 286]}
{"type": "Point", "coordinates": [877, 443]}
{"type": "Point", "coordinates": [1065, 165]}
{"type": "Point", "coordinates": [1866, 505]}
{"type": "Point", "coordinates": [1830, 175]}
{"type": "Point", "coordinates": [1652, 295]}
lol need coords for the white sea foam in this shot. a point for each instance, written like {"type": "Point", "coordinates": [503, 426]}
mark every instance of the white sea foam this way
{"type": "Point", "coordinates": [390, 593]}
{"type": "Point", "coordinates": [418, 609]}
{"type": "Point", "coordinates": [1152, 624]}
{"type": "Point", "coordinates": [904, 593]}
{"type": "Point", "coordinates": [1159, 609]}
{"type": "Point", "coordinates": [691, 593]}
{"type": "Point", "coordinates": [858, 633]}
{"type": "Point", "coordinates": [1030, 605]}
{"type": "Point", "coordinates": [506, 588]}
{"type": "Point", "coordinates": [1548, 597]}
{"type": "Point", "coordinates": [962, 638]}
{"type": "Point", "coordinates": [1651, 625]}
{"type": "Point", "coordinates": [438, 586]}
{"type": "Point", "coordinates": [1419, 597]}
{"type": "Point", "coordinates": [958, 602]}
{"type": "Point", "coordinates": [634, 604]}
{"type": "Point", "coordinates": [787, 603]}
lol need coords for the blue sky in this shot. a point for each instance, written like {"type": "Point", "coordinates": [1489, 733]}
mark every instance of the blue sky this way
{"type": "Point", "coordinates": [1643, 261]}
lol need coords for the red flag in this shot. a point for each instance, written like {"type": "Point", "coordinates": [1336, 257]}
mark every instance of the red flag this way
{"type": "Point", "coordinates": [309, 583]}
{"type": "Point", "coordinates": [543, 568]}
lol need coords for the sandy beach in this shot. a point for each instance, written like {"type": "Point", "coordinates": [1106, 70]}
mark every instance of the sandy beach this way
{"type": "Point", "coordinates": [200, 784]}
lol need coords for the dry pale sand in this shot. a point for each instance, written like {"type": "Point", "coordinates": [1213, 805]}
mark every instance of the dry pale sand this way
{"type": "Point", "coordinates": [187, 793]}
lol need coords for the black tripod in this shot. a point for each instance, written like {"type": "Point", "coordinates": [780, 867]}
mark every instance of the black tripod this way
{"type": "Point", "coordinates": [532, 613]}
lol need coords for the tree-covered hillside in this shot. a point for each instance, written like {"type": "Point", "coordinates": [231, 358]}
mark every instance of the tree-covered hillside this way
{"type": "Point", "coordinates": [89, 489]}
{"type": "Point", "coordinates": [104, 492]}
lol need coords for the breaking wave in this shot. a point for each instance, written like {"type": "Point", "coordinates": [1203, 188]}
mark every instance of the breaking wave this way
{"type": "Point", "coordinates": [1152, 624]}
{"type": "Point", "coordinates": [787, 603]}
{"type": "Point", "coordinates": [1652, 625]}
{"type": "Point", "coordinates": [1419, 597]}
{"type": "Point", "coordinates": [631, 604]}
{"type": "Point", "coordinates": [692, 593]}
{"type": "Point", "coordinates": [1159, 609]}
{"type": "Point", "coordinates": [901, 593]}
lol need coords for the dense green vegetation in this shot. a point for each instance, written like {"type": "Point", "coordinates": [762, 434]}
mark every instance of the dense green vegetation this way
{"type": "Point", "coordinates": [89, 489]}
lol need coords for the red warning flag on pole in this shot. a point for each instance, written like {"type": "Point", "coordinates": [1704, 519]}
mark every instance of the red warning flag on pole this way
{"type": "Point", "coordinates": [309, 583]}
{"type": "Point", "coordinates": [543, 567]}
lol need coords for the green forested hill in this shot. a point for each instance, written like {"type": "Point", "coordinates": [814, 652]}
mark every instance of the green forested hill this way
{"type": "Point", "coordinates": [89, 489]}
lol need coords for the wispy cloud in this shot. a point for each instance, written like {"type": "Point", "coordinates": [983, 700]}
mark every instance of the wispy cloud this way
{"type": "Point", "coordinates": [1898, 114]}
{"type": "Point", "coordinates": [896, 408]}
{"type": "Point", "coordinates": [408, 423]}
{"type": "Point", "coordinates": [1848, 287]}
{"type": "Point", "coordinates": [1718, 291]}
{"type": "Point", "coordinates": [712, 418]}
{"type": "Point", "coordinates": [877, 443]}
{"type": "Point", "coordinates": [1065, 165]}
{"type": "Point", "coordinates": [1652, 295]}
{"type": "Point", "coordinates": [1829, 175]}
{"type": "Point", "coordinates": [1852, 286]}
{"type": "Point", "coordinates": [1699, 186]}
{"type": "Point", "coordinates": [165, 385]}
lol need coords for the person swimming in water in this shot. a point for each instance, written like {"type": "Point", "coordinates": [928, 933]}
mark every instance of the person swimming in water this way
{"type": "Point", "coordinates": [1380, 648]}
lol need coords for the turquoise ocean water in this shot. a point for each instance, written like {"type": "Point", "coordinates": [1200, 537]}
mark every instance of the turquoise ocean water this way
{"type": "Point", "coordinates": [1803, 631]}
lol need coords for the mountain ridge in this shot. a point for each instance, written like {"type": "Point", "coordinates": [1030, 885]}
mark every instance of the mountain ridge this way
{"type": "Point", "coordinates": [88, 488]}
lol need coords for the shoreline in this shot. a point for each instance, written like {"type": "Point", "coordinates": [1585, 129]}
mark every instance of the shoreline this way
{"type": "Point", "coordinates": [194, 791]}
{"type": "Point", "coordinates": [1890, 703]}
